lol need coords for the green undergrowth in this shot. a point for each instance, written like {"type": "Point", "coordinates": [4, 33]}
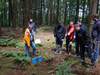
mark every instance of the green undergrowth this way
{"type": "Point", "coordinates": [11, 43]}
{"type": "Point", "coordinates": [65, 67]}
{"type": "Point", "coordinates": [8, 42]}
{"type": "Point", "coordinates": [14, 43]}
{"type": "Point", "coordinates": [45, 54]}
{"type": "Point", "coordinates": [19, 57]}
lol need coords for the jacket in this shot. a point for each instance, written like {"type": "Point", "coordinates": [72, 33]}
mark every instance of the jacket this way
{"type": "Point", "coordinates": [59, 32]}
{"type": "Point", "coordinates": [70, 31]}
{"type": "Point", "coordinates": [27, 37]}
{"type": "Point", "coordinates": [96, 30]}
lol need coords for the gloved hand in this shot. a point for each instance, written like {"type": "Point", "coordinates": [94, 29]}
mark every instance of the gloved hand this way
{"type": "Point", "coordinates": [74, 36]}
{"type": "Point", "coordinates": [68, 34]}
{"type": "Point", "coordinates": [65, 35]}
{"type": "Point", "coordinates": [62, 39]}
{"type": "Point", "coordinates": [70, 43]}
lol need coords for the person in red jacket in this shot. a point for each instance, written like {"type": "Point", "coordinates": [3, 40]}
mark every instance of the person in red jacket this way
{"type": "Point", "coordinates": [70, 36]}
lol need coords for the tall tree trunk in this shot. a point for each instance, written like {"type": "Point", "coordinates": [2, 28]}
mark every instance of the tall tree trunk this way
{"type": "Point", "coordinates": [50, 11]}
{"type": "Point", "coordinates": [10, 12]}
{"type": "Point", "coordinates": [84, 2]}
{"type": "Point", "coordinates": [43, 15]}
{"type": "Point", "coordinates": [97, 6]}
{"type": "Point", "coordinates": [57, 16]}
{"type": "Point", "coordinates": [93, 11]}
{"type": "Point", "coordinates": [35, 9]}
{"type": "Point", "coordinates": [77, 11]}
{"type": "Point", "coordinates": [65, 14]}
{"type": "Point", "coordinates": [14, 12]}
{"type": "Point", "coordinates": [93, 7]}
{"type": "Point", "coordinates": [40, 12]}
{"type": "Point", "coordinates": [25, 14]}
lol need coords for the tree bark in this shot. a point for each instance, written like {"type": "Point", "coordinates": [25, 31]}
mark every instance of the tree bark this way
{"type": "Point", "coordinates": [84, 2]}
{"type": "Point", "coordinates": [77, 11]}
{"type": "Point", "coordinates": [10, 12]}
{"type": "Point", "coordinates": [65, 14]}
{"type": "Point", "coordinates": [57, 16]}
{"type": "Point", "coordinates": [92, 11]}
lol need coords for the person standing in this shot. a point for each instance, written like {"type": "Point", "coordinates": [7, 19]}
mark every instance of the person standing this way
{"type": "Point", "coordinates": [96, 37]}
{"type": "Point", "coordinates": [70, 36]}
{"type": "Point", "coordinates": [59, 34]}
{"type": "Point", "coordinates": [81, 41]}
{"type": "Point", "coordinates": [79, 28]}
{"type": "Point", "coordinates": [33, 26]}
{"type": "Point", "coordinates": [29, 42]}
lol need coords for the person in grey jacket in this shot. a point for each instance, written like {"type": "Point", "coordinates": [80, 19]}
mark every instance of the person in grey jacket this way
{"type": "Point", "coordinates": [96, 29]}
{"type": "Point", "coordinates": [33, 26]}
{"type": "Point", "coordinates": [96, 36]}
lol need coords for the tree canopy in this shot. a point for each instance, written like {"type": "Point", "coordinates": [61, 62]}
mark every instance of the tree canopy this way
{"type": "Point", "coordinates": [46, 12]}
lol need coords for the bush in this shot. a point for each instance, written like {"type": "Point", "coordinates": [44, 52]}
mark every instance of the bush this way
{"type": "Point", "coordinates": [8, 42]}
{"type": "Point", "coordinates": [15, 43]}
{"type": "Point", "coordinates": [65, 68]}
{"type": "Point", "coordinates": [18, 56]}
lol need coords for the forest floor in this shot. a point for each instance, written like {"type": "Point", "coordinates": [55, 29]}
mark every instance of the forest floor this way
{"type": "Point", "coordinates": [45, 34]}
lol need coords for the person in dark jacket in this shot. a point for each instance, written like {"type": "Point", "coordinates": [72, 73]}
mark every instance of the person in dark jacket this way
{"type": "Point", "coordinates": [81, 40]}
{"type": "Point", "coordinates": [59, 34]}
{"type": "Point", "coordinates": [79, 28]}
{"type": "Point", "coordinates": [96, 37]}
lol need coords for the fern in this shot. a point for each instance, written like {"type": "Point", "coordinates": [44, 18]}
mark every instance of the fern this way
{"type": "Point", "coordinates": [65, 68]}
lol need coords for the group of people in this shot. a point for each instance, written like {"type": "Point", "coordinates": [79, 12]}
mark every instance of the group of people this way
{"type": "Point", "coordinates": [86, 43]}
{"type": "Point", "coordinates": [77, 33]}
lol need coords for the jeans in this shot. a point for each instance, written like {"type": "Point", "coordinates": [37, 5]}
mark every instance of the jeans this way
{"type": "Point", "coordinates": [94, 56]}
{"type": "Point", "coordinates": [96, 52]}
{"type": "Point", "coordinates": [27, 52]}
{"type": "Point", "coordinates": [98, 46]}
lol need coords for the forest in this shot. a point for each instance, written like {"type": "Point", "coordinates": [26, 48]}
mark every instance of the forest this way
{"type": "Point", "coordinates": [46, 12]}
{"type": "Point", "coordinates": [18, 15]}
